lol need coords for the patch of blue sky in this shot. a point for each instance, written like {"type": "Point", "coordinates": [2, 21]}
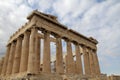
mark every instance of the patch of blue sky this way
{"type": "Point", "coordinates": [99, 1]}
{"type": "Point", "coordinates": [34, 6]}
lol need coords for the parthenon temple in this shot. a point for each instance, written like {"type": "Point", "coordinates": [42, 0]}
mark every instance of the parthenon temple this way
{"type": "Point", "coordinates": [23, 53]}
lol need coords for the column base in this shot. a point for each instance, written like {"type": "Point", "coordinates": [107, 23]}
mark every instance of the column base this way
{"type": "Point", "coordinates": [52, 76]}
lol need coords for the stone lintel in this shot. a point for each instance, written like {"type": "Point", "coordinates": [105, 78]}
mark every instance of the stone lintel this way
{"type": "Point", "coordinates": [75, 32]}
{"type": "Point", "coordinates": [21, 31]}
{"type": "Point", "coordinates": [42, 36]}
{"type": "Point", "coordinates": [35, 12]}
{"type": "Point", "coordinates": [65, 34]}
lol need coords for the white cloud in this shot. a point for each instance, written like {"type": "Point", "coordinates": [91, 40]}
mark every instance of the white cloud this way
{"type": "Point", "coordinates": [12, 16]}
{"type": "Point", "coordinates": [100, 20]}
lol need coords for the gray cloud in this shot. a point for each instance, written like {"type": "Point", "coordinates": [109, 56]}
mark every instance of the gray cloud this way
{"type": "Point", "coordinates": [100, 20]}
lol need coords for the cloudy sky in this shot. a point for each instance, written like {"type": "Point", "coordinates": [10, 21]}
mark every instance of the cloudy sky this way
{"type": "Point", "coordinates": [97, 18]}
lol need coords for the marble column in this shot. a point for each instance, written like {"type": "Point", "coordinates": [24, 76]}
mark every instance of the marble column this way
{"type": "Point", "coordinates": [37, 52]}
{"type": "Point", "coordinates": [46, 53]}
{"type": "Point", "coordinates": [1, 64]}
{"type": "Point", "coordinates": [32, 55]}
{"type": "Point", "coordinates": [96, 63]}
{"type": "Point", "coordinates": [16, 63]}
{"type": "Point", "coordinates": [59, 56]}
{"type": "Point", "coordinates": [66, 64]}
{"type": "Point", "coordinates": [54, 66]}
{"type": "Point", "coordinates": [11, 58]}
{"type": "Point", "coordinates": [0, 68]}
{"type": "Point", "coordinates": [91, 61]}
{"type": "Point", "coordinates": [24, 52]}
{"type": "Point", "coordinates": [6, 60]}
{"type": "Point", "coordinates": [86, 61]}
{"type": "Point", "coordinates": [78, 60]}
{"type": "Point", "coordinates": [70, 61]}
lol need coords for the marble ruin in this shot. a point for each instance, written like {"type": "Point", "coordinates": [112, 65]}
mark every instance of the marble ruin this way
{"type": "Point", "coordinates": [23, 50]}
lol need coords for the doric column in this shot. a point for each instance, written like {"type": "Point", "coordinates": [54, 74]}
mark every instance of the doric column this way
{"type": "Point", "coordinates": [46, 53]}
{"type": "Point", "coordinates": [32, 55]}
{"type": "Point", "coordinates": [70, 61]}
{"type": "Point", "coordinates": [86, 61]}
{"type": "Point", "coordinates": [54, 66]}
{"type": "Point", "coordinates": [25, 52]}
{"type": "Point", "coordinates": [1, 64]}
{"type": "Point", "coordinates": [91, 62]}
{"type": "Point", "coordinates": [16, 63]}
{"type": "Point", "coordinates": [78, 59]}
{"type": "Point", "coordinates": [66, 64]}
{"type": "Point", "coordinates": [59, 56]}
{"type": "Point", "coordinates": [6, 60]}
{"type": "Point", "coordinates": [11, 58]}
{"type": "Point", "coordinates": [37, 52]}
{"type": "Point", "coordinates": [96, 63]}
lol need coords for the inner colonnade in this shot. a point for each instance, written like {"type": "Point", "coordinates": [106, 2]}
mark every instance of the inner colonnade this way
{"type": "Point", "coordinates": [24, 49]}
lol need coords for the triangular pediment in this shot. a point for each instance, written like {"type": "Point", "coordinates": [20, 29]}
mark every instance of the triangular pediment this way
{"type": "Point", "coordinates": [51, 17]}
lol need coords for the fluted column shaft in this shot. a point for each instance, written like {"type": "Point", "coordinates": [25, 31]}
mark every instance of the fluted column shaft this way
{"type": "Point", "coordinates": [78, 60]}
{"type": "Point", "coordinates": [1, 65]}
{"type": "Point", "coordinates": [92, 67]}
{"type": "Point", "coordinates": [16, 63]}
{"type": "Point", "coordinates": [32, 55]}
{"type": "Point", "coordinates": [54, 66]}
{"type": "Point", "coordinates": [86, 61]}
{"type": "Point", "coordinates": [46, 53]}
{"type": "Point", "coordinates": [25, 52]}
{"type": "Point", "coordinates": [37, 52]}
{"type": "Point", "coordinates": [59, 56]}
{"type": "Point", "coordinates": [6, 60]}
{"type": "Point", "coordinates": [70, 61]}
{"type": "Point", "coordinates": [11, 58]}
{"type": "Point", "coordinates": [66, 64]}
{"type": "Point", "coordinates": [96, 63]}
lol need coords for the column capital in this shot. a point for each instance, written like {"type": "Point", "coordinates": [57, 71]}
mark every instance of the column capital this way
{"type": "Point", "coordinates": [82, 45]}
{"type": "Point", "coordinates": [45, 31]}
{"type": "Point", "coordinates": [20, 38]}
{"type": "Point", "coordinates": [75, 43]}
{"type": "Point", "coordinates": [2, 58]}
{"type": "Point", "coordinates": [57, 36]}
{"type": "Point", "coordinates": [8, 45]}
{"type": "Point", "coordinates": [27, 32]}
{"type": "Point", "coordinates": [67, 40]}
{"type": "Point", "coordinates": [33, 28]}
{"type": "Point", "coordinates": [94, 51]}
{"type": "Point", "coordinates": [91, 50]}
{"type": "Point", "coordinates": [14, 42]}
{"type": "Point", "coordinates": [84, 49]}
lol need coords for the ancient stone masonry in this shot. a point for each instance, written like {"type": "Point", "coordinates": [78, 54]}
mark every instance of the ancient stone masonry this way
{"type": "Point", "coordinates": [23, 49]}
{"type": "Point", "coordinates": [113, 77]}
